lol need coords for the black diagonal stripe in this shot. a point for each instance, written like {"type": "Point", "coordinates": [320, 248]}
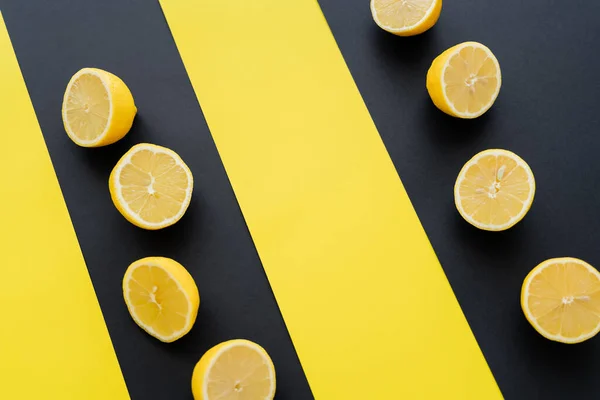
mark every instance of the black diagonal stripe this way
{"type": "Point", "coordinates": [547, 112]}
{"type": "Point", "coordinates": [130, 38]}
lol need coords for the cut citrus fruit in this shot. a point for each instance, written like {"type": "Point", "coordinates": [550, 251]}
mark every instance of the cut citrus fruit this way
{"type": "Point", "coordinates": [151, 186]}
{"type": "Point", "coordinates": [97, 109]}
{"type": "Point", "coordinates": [464, 81]}
{"type": "Point", "coordinates": [161, 297]}
{"type": "Point", "coordinates": [494, 190]}
{"type": "Point", "coordinates": [561, 300]}
{"type": "Point", "coordinates": [234, 370]}
{"type": "Point", "coordinates": [406, 17]}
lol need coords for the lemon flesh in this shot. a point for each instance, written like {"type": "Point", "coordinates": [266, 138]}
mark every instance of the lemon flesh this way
{"type": "Point", "coordinates": [234, 370]}
{"type": "Point", "coordinates": [406, 17]}
{"type": "Point", "coordinates": [561, 299]}
{"type": "Point", "coordinates": [161, 297]}
{"type": "Point", "coordinates": [151, 186]}
{"type": "Point", "coordinates": [494, 190]}
{"type": "Point", "coordinates": [464, 81]}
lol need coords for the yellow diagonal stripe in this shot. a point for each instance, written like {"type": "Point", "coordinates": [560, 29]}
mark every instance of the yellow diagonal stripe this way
{"type": "Point", "coordinates": [366, 302]}
{"type": "Point", "coordinates": [53, 342]}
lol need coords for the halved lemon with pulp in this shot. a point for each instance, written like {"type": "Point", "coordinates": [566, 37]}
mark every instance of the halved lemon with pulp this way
{"type": "Point", "coordinates": [494, 190]}
{"type": "Point", "coordinates": [406, 17]}
{"type": "Point", "coordinates": [151, 186]}
{"type": "Point", "coordinates": [464, 81]}
{"type": "Point", "coordinates": [97, 109]}
{"type": "Point", "coordinates": [161, 297]}
{"type": "Point", "coordinates": [234, 370]}
{"type": "Point", "coordinates": [561, 299]}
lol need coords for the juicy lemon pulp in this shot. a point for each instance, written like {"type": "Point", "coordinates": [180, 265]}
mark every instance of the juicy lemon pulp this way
{"type": "Point", "coordinates": [161, 297]}
{"type": "Point", "coordinates": [401, 13]}
{"type": "Point", "coordinates": [465, 80]}
{"type": "Point", "coordinates": [151, 186]}
{"type": "Point", "coordinates": [561, 300]}
{"type": "Point", "coordinates": [234, 370]}
{"type": "Point", "coordinates": [471, 79]}
{"type": "Point", "coordinates": [406, 17]}
{"type": "Point", "coordinates": [494, 190]}
{"type": "Point", "coordinates": [87, 107]}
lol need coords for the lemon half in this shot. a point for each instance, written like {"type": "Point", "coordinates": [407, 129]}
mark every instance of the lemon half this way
{"type": "Point", "coordinates": [151, 186]}
{"type": "Point", "coordinates": [234, 370]}
{"type": "Point", "coordinates": [561, 299]}
{"type": "Point", "coordinates": [406, 17]}
{"type": "Point", "coordinates": [97, 109]}
{"type": "Point", "coordinates": [464, 81]}
{"type": "Point", "coordinates": [494, 190]}
{"type": "Point", "coordinates": [161, 297]}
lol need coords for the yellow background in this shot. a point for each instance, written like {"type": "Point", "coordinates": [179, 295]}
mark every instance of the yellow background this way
{"type": "Point", "coordinates": [366, 302]}
{"type": "Point", "coordinates": [53, 342]}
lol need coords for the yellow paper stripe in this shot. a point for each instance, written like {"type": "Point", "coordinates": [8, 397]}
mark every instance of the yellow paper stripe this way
{"type": "Point", "coordinates": [366, 302]}
{"type": "Point", "coordinates": [53, 342]}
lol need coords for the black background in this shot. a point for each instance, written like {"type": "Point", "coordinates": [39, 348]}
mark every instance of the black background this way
{"type": "Point", "coordinates": [547, 112]}
{"type": "Point", "coordinates": [130, 38]}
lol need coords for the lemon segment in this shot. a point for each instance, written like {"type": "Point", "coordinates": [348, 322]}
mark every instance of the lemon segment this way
{"type": "Point", "coordinates": [161, 297]}
{"type": "Point", "coordinates": [494, 190]}
{"type": "Point", "coordinates": [234, 370]}
{"type": "Point", "coordinates": [151, 186]}
{"type": "Point", "coordinates": [98, 108]}
{"type": "Point", "coordinates": [464, 81]}
{"type": "Point", "coordinates": [561, 300]}
{"type": "Point", "coordinates": [406, 17]}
